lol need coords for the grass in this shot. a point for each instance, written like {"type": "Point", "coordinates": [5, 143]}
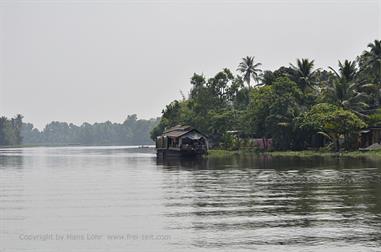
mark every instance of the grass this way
{"type": "Point", "coordinates": [221, 153]}
{"type": "Point", "coordinates": [305, 153]}
{"type": "Point", "coordinates": [375, 153]}
{"type": "Point", "coordinates": [225, 153]}
{"type": "Point", "coordinates": [301, 154]}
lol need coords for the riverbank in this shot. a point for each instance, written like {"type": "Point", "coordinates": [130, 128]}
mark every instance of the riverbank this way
{"type": "Point", "coordinates": [143, 146]}
{"type": "Point", "coordinates": [305, 153]}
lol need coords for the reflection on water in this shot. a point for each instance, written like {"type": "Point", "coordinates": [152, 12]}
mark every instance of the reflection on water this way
{"type": "Point", "coordinates": [119, 198]}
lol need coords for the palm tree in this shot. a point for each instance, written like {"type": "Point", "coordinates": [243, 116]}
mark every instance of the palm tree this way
{"type": "Point", "coordinates": [304, 75]}
{"type": "Point", "coordinates": [345, 91]}
{"type": "Point", "coordinates": [249, 69]}
{"type": "Point", "coordinates": [347, 71]}
{"type": "Point", "coordinates": [370, 63]}
{"type": "Point", "coordinates": [373, 60]}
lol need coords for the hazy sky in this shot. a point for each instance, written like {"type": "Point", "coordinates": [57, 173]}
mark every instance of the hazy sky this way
{"type": "Point", "coordinates": [99, 60]}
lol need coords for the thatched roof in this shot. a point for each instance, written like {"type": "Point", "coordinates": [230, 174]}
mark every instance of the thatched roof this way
{"type": "Point", "coordinates": [179, 128]}
{"type": "Point", "coordinates": [179, 131]}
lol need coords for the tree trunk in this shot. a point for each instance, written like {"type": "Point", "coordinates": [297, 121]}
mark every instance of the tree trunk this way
{"type": "Point", "coordinates": [337, 145]}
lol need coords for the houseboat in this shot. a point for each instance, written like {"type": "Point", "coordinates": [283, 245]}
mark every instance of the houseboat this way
{"type": "Point", "coordinates": [181, 141]}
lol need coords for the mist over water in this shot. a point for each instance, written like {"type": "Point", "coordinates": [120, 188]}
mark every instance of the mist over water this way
{"type": "Point", "coordinates": [124, 199]}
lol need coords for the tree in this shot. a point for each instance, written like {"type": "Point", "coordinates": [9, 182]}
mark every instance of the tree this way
{"type": "Point", "coordinates": [304, 74]}
{"type": "Point", "coordinates": [219, 88]}
{"type": "Point", "coordinates": [269, 77]}
{"type": "Point", "coordinates": [30, 134]}
{"type": "Point", "coordinates": [347, 71]}
{"type": "Point", "coordinates": [171, 116]}
{"type": "Point", "coordinates": [375, 118]}
{"type": "Point", "coordinates": [132, 131]}
{"type": "Point", "coordinates": [370, 69]}
{"type": "Point", "coordinates": [272, 111]}
{"type": "Point", "coordinates": [10, 130]}
{"type": "Point", "coordinates": [249, 69]}
{"type": "Point", "coordinates": [371, 60]}
{"type": "Point", "coordinates": [3, 124]}
{"type": "Point", "coordinates": [284, 109]}
{"type": "Point", "coordinates": [344, 90]}
{"type": "Point", "coordinates": [331, 121]}
{"type": "Point", "coordinates": [222, 121]}
{"type": "Point", "coordinates": [17, 125]}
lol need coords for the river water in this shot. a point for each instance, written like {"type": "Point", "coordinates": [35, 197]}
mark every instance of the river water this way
{"type": "Point", "coordinates": [123, 199]}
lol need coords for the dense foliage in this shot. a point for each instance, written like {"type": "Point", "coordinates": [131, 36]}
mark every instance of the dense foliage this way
{"type": "Point", "coordinates": [331, 121]}
{"type": "Point", "coordinates": [10, 130]}
{"type": "Point", "coordinates": [292, 105]}
{"type": "Point", "coordinates": [131, 132]}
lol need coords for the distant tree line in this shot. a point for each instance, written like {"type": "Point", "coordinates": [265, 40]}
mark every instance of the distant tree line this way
{"type": "Point", "coordinates": [10, 130]}
{"type": "Point", "coordinates": [132, 131]}
{"type": "Point", "coordinates": [292, 105]}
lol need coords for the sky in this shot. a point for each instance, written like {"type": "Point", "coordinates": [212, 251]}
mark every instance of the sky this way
{"type": "Point", "coordinates": [94, 61]}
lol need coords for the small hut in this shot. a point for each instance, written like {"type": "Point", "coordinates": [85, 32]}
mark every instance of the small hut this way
{"type": "Point", "coordinates": [181, 141]}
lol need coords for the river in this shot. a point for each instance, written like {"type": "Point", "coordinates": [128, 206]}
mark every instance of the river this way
{"type": "Point", "coordinates": [123, 199]}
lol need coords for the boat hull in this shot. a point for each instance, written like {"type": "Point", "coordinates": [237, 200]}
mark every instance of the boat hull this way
{"type": "Point", "coordinates": [168, 153]}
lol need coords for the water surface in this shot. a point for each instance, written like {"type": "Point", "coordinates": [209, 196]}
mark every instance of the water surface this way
{"type": "Point", "coordinates": [123, 199]}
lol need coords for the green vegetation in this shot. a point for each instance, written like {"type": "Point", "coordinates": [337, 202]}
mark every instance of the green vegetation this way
{"type": "Point", "coordinates": [298, 106]}
{"type": "Point", "coordinates": [221, 153]}
{"type": "Point", "coordinates": [331, 121]}
{"type": "Point", "coordinates": [293, 105]}
{"type": "Point", "coordinates": [10, 130]}
{"type": "Point", "coordinates": [131, 132]}
{"type": "Point", "coordinates": [351, 154]}
{"type": "Point", "coordinates": [297, 154]}
{"type": "Point", "coordinates": [13, 132]}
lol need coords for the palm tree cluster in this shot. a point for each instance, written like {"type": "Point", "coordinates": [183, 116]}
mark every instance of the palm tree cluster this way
{"type": "Point", "coordinates": [290, 104]}
{"type": "Point", "coordinates": [345, 90]}
{"type": "Point", "coordinates": [355, 86]}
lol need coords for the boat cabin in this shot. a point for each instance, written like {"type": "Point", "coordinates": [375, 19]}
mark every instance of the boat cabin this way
{"type": "Point", "coordinates": [181, 141]}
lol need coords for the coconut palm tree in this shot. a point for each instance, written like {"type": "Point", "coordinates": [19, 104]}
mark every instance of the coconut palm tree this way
{"type": "Point", "coordinates": [249, 69]}
{"type": "Point", "coordinates": [370, 69]}
{"type": "Point", "coordinates": [372, 60]}
{"type": "Point", "coordinates": [304, 74]}
{"type": "Point", "coordinates": [345, 91]}
{"type": "Point", "coordinates": [347, 71]}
